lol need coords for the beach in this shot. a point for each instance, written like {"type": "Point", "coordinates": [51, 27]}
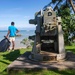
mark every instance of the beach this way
{"type": "Point", "coordinates": [18, 45]}
{"type": "Point", "coordinates": [24, 34]}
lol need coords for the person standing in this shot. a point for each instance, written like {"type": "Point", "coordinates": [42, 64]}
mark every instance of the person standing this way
{"type": "Point", "coordinates": [12, 30]}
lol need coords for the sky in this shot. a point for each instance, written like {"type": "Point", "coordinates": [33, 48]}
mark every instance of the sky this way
{"type": "Point", "coordinates": [20, 12]}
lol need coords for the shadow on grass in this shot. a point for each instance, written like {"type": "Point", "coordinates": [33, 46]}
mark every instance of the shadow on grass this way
{"type": "Point", "coordinates": [4, 62]}
{"type": "Point", "coordinates": [8, 57]}
{"type": "Point", "coordinates": [12, 55]}
{"type": "Point", "coordinates": [73, 50]}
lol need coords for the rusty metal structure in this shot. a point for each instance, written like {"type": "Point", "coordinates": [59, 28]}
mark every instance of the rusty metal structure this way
{"type": "Point", "coordinates": [49, 40]}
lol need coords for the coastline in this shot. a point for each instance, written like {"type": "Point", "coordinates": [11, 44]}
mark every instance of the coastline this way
{"type": "Point", "coordinates": [18, 45]}
{"type": "Point", "coordinates": [24, 34]}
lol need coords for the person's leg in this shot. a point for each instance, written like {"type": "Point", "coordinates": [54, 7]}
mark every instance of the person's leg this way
{"type": "Point", "coordinates": [10, 39]}
{"type": "Point", "coordinates": [13, 43]}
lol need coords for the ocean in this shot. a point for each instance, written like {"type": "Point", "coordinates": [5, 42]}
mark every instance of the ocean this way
{"type": "Point", "coordinates": [23, 33]}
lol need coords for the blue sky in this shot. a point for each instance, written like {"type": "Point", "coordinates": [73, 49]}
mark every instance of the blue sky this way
{"type": "Point", "coordinates": [19, 11]}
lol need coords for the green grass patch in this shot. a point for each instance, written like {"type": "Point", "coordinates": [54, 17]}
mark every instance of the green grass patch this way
{"type": "Point", "coordinates": [7, 58]}
{"type": "Point", "coordinates": [43, 72]}
{"type": "Point", "coordinates": [70, 48]}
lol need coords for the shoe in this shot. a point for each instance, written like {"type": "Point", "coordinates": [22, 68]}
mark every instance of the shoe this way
{"type": "Point", "coordinates": [8, 49]}
{"type": "Point", "coordinates": [12, 49]}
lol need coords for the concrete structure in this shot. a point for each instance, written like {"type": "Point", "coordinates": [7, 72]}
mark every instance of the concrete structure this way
{"type": "Point", "coordinates": [49, 40]}
{"type": "Point", "coordinates": [23, 62]}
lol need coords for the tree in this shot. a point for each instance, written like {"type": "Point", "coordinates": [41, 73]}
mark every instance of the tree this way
{"type": "Point", "coordinates": [64, 9]}
{"type": "Point", "coordinates": [27, 42]}
{"type": "Point", "coordinates": [58, 3]}
{"type": "Point", "coordinates": [68, 23]}
{"type": "Point", "coordinates": [72, 2]}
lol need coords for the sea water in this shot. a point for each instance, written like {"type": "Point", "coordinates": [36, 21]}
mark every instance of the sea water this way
{"type": "Point", "coordinates": [24, 34]}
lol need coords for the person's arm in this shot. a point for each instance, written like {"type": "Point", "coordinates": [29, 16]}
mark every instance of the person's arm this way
{"type": "Point", "coordinates": [17, 31]}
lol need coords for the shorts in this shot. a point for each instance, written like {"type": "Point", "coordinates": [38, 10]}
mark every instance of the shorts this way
{"type": "Point", "coordinates": [11, 39]}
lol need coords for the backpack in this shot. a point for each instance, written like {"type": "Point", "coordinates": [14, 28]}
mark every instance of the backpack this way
{"type": "Point", "coordinates": [4, 44]}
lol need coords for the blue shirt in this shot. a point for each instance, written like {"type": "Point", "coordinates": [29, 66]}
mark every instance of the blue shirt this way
{"type": "Point", "coordinates": [12, 30]}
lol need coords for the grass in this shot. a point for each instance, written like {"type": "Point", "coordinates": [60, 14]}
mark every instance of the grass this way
{"type": "Point", "coordinates": [44, 72]}
{"type": "Point", "coordinates": [7, 58]}
{"type": "Point", "coordinates": [70, 48]}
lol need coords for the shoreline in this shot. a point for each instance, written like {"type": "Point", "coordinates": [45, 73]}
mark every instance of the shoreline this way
{"type": "Point", "coordinates": [25, 34]}
{"type": "Point", "coordinates": [18, 45]}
